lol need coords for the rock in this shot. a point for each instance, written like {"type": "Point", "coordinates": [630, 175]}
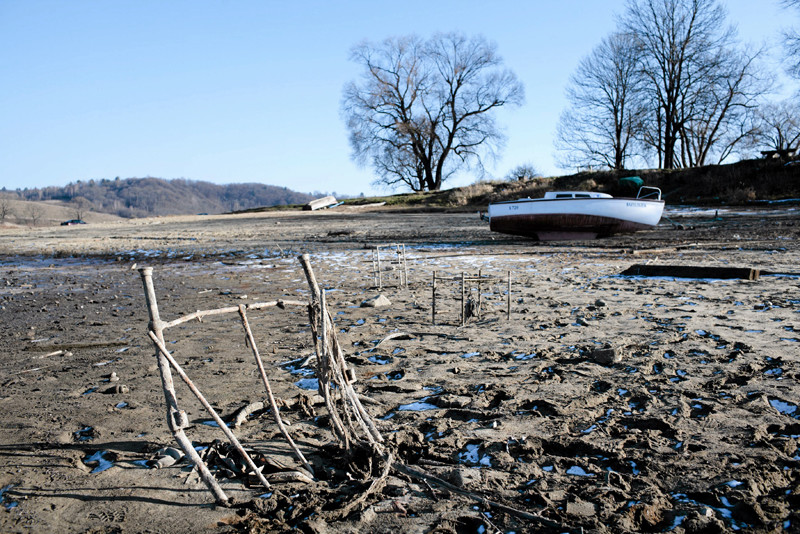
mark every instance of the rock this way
{"type": "Point", "coordinates": [165, 458]}
{"type": "Point", "coordinates": [376, 302]}
{"type": "Point", "coordinates": [463, 477]}
{"type": "Point", "coordinates": [365, 517]}
{"type": "Point", "coordinates": [452, 401]}
{"type": "Point", "coordinates": [703, 523]}
{"type": "Point", "coordinates": [115, 389]}
{"type": "Point", "coordinates": [581, 508]}
{"type": "Point", "coordinates": [606, 355]}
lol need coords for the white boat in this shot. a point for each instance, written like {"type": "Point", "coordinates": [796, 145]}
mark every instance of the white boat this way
{"type": "Point", "coordinates": [562, 215]}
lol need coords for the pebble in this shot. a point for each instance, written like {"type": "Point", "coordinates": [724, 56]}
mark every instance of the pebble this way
{"type": "Point", "coordinates": [606, 356]}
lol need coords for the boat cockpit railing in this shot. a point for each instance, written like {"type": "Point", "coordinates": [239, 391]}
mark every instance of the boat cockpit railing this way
{"type": "Point", "coordinates": [649, 192]}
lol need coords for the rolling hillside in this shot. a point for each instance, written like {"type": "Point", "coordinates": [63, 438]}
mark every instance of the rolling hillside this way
{"type": "Point", "coordinates": [144, 197]}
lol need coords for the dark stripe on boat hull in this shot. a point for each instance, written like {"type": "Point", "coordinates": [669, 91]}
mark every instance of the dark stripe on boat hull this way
{"type": "Point", "coordinates": [560, 226]}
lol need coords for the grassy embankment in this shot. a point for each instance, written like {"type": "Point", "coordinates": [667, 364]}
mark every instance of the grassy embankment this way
{"type": "Point", "coordinates": [742, 183]}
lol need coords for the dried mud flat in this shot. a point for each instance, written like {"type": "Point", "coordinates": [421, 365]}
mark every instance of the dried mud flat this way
{"type": "Point", "coordinates": [689, 423]}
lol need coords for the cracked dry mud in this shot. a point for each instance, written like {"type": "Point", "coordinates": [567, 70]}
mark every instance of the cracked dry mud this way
{"type": "Point", "coordinates": [608, 403]}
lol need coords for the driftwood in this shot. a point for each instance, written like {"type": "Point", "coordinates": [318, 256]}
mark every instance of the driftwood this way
{"type": "Point", "coordinates": [394, 335]}
{"type": "Point", "coordinates": [334, 375]}
{"type": "Point", "coordinates": [230, 435]}
{"type": "Point", "coordinates": [176, 419]}
{"type": "Point", "coordinates": [351, 424]}
{"type": "Point", "coordinates": [241, 415]}
{"type": "Point", "coordinates": [376, 485]}
{"type": "Point", "coordinates": [689, 271]}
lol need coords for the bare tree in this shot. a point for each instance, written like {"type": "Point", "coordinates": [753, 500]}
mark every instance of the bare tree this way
{"type": "Point", "coordinates": [779, 126]}
{"type": "Point", "coordinates": [719, 112]}
{"type": "Point", "coordinates": [792, 42]}
{"type": "Point", "coordinates": [523, 173]}
{"type": "Point", "coordinates": [33, 212]}
{"type": "Point", "coordinates": [679, 44]}
{"type": "Point", "coordinates": [80, 206]}
{"type": "Point", "coordinates": [604, 114]}
{"type": "Point", "coordinates": [423, 109]}
{"type": "Point", "coordinates": [6, 209]}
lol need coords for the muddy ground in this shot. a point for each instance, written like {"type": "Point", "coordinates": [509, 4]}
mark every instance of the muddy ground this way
{"type": "Point", "coordinates": [606, 403]}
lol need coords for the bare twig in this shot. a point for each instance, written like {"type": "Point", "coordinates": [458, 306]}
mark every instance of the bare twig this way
{"type": "Point", "coordinates": [241, 414]}
{"type": "Point", "coordinates": [377, 485]}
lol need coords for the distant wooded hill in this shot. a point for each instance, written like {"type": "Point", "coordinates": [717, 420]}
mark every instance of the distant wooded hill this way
{"type": "Point", "coordinates": [144, 197]}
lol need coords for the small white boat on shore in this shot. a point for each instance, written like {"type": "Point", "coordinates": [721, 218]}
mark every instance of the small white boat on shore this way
{"type": "Point", "coordinates": [570, 215]}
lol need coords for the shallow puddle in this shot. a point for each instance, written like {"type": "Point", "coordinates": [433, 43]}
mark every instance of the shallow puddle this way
{"type": "Point", "coordinates": [472, 456]}
{"type": "Point", "coordinates": [725, 513]}
{"type": "Point", "coordinates": [7, 503]}
{"type": "Point", "coordinates": [578, 471]}
{"type": "Point", "coordinates": [100, 462]}
{"type": "Point", "coordinates": [419, 406]}
{"type": "Point", "coordinates": [784, 407]}
{"type": "Point", "coordinates": [84, 434]}
{"type": "Point", "coordinates": [308, 383]}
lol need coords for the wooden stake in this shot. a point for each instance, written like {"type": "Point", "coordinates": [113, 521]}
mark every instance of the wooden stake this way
{"type": "Point", "coordinates": [265, 380]}
{"type": "Point", "coordinates": [508, 298]}
{"type": "Point", "coordinates": [332, 369]}
{"type": "Point", "coordinates": [380, 274]}
{"type": "Point", "coordinates": [480, 300]}
{"type": "Point", "coordinates": [463, 299]}
{"type": "Point", "coordinates": [405, 265]}
{"type": "Point", "coordinates": [176, 419]}
{"type": "Point", "coordinates": [433, 300]}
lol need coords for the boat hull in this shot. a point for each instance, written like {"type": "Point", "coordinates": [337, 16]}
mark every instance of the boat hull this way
{"type": "Point", "coordinates": [572, 219]}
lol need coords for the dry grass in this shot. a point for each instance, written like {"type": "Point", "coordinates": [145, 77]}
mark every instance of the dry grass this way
{"type": "Point", "coordinates": [47, 213]}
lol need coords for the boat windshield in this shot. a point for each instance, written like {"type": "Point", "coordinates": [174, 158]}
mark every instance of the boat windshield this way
{"type": "Point", "coordinates": [575, 194]}
{"type": "Point", "coordinates": [649, 192]}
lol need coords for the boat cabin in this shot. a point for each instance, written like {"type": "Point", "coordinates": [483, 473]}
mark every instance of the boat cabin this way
{"type": "Point", "coordinates": [575, 194]}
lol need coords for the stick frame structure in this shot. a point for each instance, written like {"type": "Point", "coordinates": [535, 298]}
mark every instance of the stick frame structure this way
{"type": "Point", "coordinates": [177, 420]}
{"type": "Point", "coordinates": [466, 284]}
{"type": "Point", "coordinates": [350, 422]}
{"type": "Point", "coordinates": [395, 262]}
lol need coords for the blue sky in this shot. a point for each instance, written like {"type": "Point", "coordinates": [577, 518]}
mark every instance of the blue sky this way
{"type": "Point", "coordinates": [250, 91]}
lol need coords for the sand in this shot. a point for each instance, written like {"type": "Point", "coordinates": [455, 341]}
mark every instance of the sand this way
{"type": "Point", "coordinates": [606, 402]}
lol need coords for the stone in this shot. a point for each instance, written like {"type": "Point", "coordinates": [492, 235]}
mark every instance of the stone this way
{"type": "Point", "coordinates": [581, 508]}
{"type": "Point", "coordinates": [379, 301]}
{"type": "Point", "coordinates": [606, 355]}
{"type": "Point", "coordinates": [463, 476]}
